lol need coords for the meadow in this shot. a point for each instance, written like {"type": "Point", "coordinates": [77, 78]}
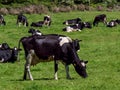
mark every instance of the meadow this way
{"type": "Point", "coordinates": [100, 46]}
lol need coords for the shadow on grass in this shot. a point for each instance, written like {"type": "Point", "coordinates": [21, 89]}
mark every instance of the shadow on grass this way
{"type": "Point", "coordinates": [43, 79]}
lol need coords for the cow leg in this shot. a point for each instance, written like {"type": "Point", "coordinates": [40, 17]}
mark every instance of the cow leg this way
{"type": "Point", "coordinates": [67, 72]}
{"type": "Point", "coordinates": [56, 69]}
{"type": "Point", "coordinates": [24, 24]}
{"type": "Point", "coordinates": [27, 68]}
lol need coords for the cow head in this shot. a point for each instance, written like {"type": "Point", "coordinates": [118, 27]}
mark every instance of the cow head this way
{"type": "Point", "coordinates": [80, 67]}
{"type": "Point", "coordinates": [15, 52]}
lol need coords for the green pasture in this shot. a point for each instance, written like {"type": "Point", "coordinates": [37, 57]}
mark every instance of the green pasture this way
{"type": "Point", "coordinates": [100, 46]}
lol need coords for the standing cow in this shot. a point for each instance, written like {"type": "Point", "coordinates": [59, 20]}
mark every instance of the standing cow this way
{"type": "Point", "coordinates": [99, 18]}
{"type": "Point", "coordinates": [47, 20]}
{"type": "Point", "coordinates": [51, 48]}
{"type": "Point", "coordinates": [22, 19]}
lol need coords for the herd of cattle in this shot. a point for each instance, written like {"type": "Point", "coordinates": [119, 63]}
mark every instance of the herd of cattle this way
{"type": "Point", "coordinates": [39, 47]}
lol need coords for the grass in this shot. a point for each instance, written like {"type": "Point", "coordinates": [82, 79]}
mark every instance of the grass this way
{"type": "Point", "coordinates": [100, 46]}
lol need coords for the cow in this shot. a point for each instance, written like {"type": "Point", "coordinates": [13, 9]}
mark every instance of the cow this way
{"type": "Point", "coordinates": [47, 20]}
{"type": "Point", "coordinates": [112, 23]}
{"type": "Point", "coordinates": [9, 55]}
{"type": "Point", "coordinates": [55, 48]}
{"type": "Point", "coordinates": [33, 31]}
{"type": "Point", "coordinates": [100, 18]}
{"type": "Point", "coordinates": [22, 19]}
{"type": "Point", "coordinates": [2, 21]}
{"type": "Point", "coordinates": [37, 24]}
{"type": "Point", "coordinates": [77, 27]}
{"type": "Point", "coordinates": [72, 21]}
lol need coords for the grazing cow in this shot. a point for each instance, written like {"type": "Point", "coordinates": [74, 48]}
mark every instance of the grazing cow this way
{"type": "Point", "coordinates": [37, 24]}
{"type": "Point", "coordinates": [99, 18]}
{"type": "Point", "coordinates": [34, 32]}
{"type": "Point", "coordinates": [112, 23]}
{"type": "Point", "coordinates": [8, 55]}
{"type": "Point", "coordinates": [2, 21]}
{"type": "Point", "coordinates": [47, 20]}
{"type": "Point", "coordinates": [54, 47]}
{"type": "Point", "coordinates": [72, 21]}
{"type": "Point", "coordinates": [118, 21]}
{"type": "Point", "coordinates": [77, 27]}
{"type": "Point", "coordinates": [22, 19]}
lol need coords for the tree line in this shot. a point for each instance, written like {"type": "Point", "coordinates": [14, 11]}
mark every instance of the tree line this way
{"type": "Point", "coordinates": [61, 1]}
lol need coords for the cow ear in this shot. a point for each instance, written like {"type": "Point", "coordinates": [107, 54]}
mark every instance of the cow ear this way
{"type": "Point", "coordinates": [86, 62]}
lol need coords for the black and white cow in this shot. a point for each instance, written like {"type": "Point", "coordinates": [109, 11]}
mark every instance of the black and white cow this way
{"type": "Point", "coordinates": [72, 21]}
{"type": "Point", "coordinates": [47, 20]}
{"type": "Point", "coordinates": [34, 32]}
{"type": "Point", "coordinates": [46, 48]}
{"type": "Point", "coordinates": [112, 23]}
{"type": "Point", "coordinates": [9, 55]}
{"type": "Point", "coordinates": [99, 18]}
{"type": "Point", "coordinates": [2, 21]}
{"type": "Point", "coordinates": [77, 27]}
{"type": "Point", "coordinates": [22, 19]}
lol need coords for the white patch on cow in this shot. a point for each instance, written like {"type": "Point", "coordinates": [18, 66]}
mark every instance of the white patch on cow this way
{"type": "Point", "coordinates": [66, 22]}
{"type": "Point", "coordinates": [56, 77]}
{"type": "Point", "coordinates": [79, 30]}
{"type": "Point", "coordinates": [15, 48]}
{"type": "Point", "coordinates": [112, 23]}
{"type": "Point", "coordinates": [69, 29]}
{"type": "Point", "coordinates": [35, 60]}
{"type": "Point", "coordinates": [0, 45]}
{"type": "Point", "coordinates": [38, 33]}
{"type": "Point", "coordinates": [83, 64]}
{"type": "Point", "coordinates": [64, 40]}
{"type": "Point", "coordinates": [2, 60]}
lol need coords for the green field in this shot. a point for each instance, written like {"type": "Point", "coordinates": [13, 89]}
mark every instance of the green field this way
{"type": "Point", "coordinates": [100, 46]}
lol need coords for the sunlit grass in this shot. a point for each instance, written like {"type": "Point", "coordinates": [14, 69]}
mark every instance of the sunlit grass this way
{"type": "Point", "coordinates": [100, 46]}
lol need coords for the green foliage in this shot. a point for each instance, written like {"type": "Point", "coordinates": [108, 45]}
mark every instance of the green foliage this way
{"type": "Point", "coordinates": [100, 46]}
{"type": "Point", "coordinates": [57, 1]}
